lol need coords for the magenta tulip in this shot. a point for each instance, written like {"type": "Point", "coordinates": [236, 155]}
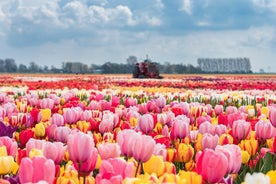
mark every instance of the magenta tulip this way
{"type": "Point", "coordinates": [36, 169]}
{"type": "Point", "coordinates": [212, 165]}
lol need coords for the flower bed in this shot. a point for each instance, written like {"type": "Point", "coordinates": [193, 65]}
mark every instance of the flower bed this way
{"type": "Point", "coordinates": [114, 129]}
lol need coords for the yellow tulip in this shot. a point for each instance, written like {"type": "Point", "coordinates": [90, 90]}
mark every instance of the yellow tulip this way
{"type": "Point", "coordinates": [189, 166]}
{"type": "Point", "coordinates": [45, 114]}
{"type": "Point", "coordinates": [39, 130]}
{"type": "Point", "coordinates": [155, 165]}
{"type": "Point", "coordinates": [272, 176]}
{"type": "Point", "coordinates": [190, 177]}
{"type": "Point", "coordinates": [245, 157]}
{"type": "Point", "coordinates": [185, 153]}
{"type": "Point", "coordinates": [169, 178]}
{"type": "Point", "coordinates": [171, 152]}
{"type": "Point", "coordinates": [6, 163]}
{"type": "Point", "coordinates": [158, 128]}
{"type": "Point", "coordinates": [83, 126]}
{"type": "Point", "coordinates": [3, 151]}
{"type": "Point", "coordinates": [251, 146]}
{"type": "Point", "coordinates": [265, 111]}
{"type": "Point", "coordinates": [169, 167]}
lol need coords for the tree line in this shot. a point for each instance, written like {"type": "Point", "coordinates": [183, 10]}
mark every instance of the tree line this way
{"type": "Point", "coordinates": [9, 66]}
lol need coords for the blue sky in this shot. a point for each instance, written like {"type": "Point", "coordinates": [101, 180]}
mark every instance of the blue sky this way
{"type": "Point", "coordinates": [50, 32]}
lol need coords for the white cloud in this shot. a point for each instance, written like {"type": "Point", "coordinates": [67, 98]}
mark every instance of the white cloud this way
{"type": "Point", "coordinates": [187, 6]}
{"type": "Point", "coordinates": [265, 4]}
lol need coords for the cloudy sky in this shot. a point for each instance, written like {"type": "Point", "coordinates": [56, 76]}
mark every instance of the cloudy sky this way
{"type": "Point", "coordinates": [50, 32]}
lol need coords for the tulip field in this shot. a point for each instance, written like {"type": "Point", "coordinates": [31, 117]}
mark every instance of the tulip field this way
{"type": "Point", "coordinates": [186, 129]}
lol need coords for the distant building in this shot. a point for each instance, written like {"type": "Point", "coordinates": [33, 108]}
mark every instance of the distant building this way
{"type": "Point", "coordinates": [225, 65]}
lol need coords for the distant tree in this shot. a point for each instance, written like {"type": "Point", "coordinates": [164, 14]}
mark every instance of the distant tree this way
{"type": "Point", "coordinates": [22, 69]}
{"type": "Point", "coordinates": [131, 60]}
{"type": "Point", "coordinates": [10, 65]}
{"type": "Point", "coordinates": [33, 67]}
{"type": "Point", "coordinates": [2, 66]}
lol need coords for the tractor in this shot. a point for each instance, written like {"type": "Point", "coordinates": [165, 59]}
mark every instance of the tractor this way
{"type": "Point", "coordinates": [146, 69]}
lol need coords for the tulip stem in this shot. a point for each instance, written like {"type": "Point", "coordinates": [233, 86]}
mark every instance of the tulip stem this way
{"type": "Point", "coordinates": [137, 168]}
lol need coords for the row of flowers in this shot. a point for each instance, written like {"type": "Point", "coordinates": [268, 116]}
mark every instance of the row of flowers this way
{"type": "Point", "coordinates": [137, 135]}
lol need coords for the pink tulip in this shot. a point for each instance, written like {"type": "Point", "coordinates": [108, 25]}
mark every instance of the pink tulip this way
{"type": "Point", "coordinates": [160, 150]}
{"type": "Point", "coordinates": [234, 156]}
{"type": "Point", "coordinates": [218, 109]}
{"type": "Point", "coordinates": [54, 151]}
{"type": "Point", "coordinates": [10, 144]}
{"type": "Point", "coordinates": [206, 127]}
{"type": "Point", "coordinates": [264, 130]}
{"type": "Point", "coordinates": [86, 115]}
{"type": "Point", "coordinates": [46, 103]}
{"type": "Point", "coordinates": [219, 129]}
{"type": "Point", "coordinates": [212, 165]}
{"type": "Point", "coordinates": [241, 129]}
{"type": "Point", "coordinates": [9, 108]}
{"type": "Point", "coordinates": [145, 123]}
{"type": "Point", "coordinates": [142, 108]}
{"type": "Point", "coordinates": [114, 170]}
{"type": "Point", "coordinates": [130, 102]}
{"type": "Point", "coordinates": [142, 147]}
{"type": "Point", "coordinates": [109, 150]}
{"type": "Point", "coordinates": [34, 144]}
{"type": "Point", "coordinates": [202, 119]}
{"type": "Point", "coordinates": [231, 109]}
{"type": "Point", "coordinates": [272, 115]}
{"type": "Point", "coordinates": [180, 128]}
{"type": "Point", "coordinates": [61, 134]}
{"type": "Point", "coordinates": [234, 117]}
{"type": "Point", "coordinates": [55, 98]}
{"type": "Point", "coordinates": [2, 113]}
{"type": "Point", "coordinates": [109, 122]}
{"type": "Point", "coordinates": [72, 115]}
{"type": "Point", "coordinates": [124, 139]}
{"type": "Point", "coordinates": [36, 169]}
{"type": "Point", "coordinates": [152, 106]}
{"type": "Point", "coordinates": [80, 146]}
{"type": "Point", "coordinates": [57, 119]}
{"type": "Point", "coordinates": [87, 167]}
{"type": "Point", "coordinates": [209, 141]}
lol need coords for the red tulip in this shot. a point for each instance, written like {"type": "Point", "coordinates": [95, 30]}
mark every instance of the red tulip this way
{"type": "Point", "coordinates": [24, 136]}
{"type": "Point", "coordinates": [36, 169]}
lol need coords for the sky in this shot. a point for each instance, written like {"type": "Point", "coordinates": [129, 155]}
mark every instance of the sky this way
{"type": "Point", "coordinates": [49, 32]}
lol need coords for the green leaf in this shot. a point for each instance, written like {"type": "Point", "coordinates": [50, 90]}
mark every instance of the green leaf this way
{"type": "Point", "coordinates": [268, 162]}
